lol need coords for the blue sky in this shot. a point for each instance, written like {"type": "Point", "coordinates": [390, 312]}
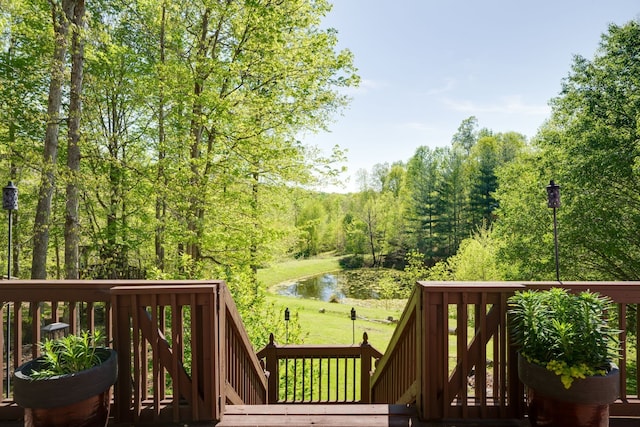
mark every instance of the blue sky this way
{"type": "Point", "coordinates": [426, 65]}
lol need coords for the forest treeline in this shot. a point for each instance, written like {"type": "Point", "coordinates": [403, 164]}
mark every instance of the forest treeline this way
{"type": "Point", "coordinates": [478, 209]}
{"type": "Point", "coordinates": [161, 139]}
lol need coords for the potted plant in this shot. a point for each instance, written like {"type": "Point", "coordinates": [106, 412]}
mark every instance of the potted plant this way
{"type": "Point", "coordinates": [566, 351]}
{"type": "Point", "coordinates": [69, 384]}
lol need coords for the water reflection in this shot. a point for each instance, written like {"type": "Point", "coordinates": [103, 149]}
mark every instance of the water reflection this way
{"type": "Point", "coordinates": [325, 287]}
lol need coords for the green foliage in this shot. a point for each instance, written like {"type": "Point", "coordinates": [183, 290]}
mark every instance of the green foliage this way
{"type": "Point", "coordinates": [391, 284]}
{"type": "Point", "coordinates": [592, 143]}
{"type": "Point", "coordinates": [352, 261]}
{"type": "Point", "coordinates": [525, 226]}
{"type": "Point", "coordinates": [259, 317]}
{"type": "Point", "coordinates": [414, 269]}
{"type": "Point", "coordinates": [568, 333]}
{"type": "Point", "coordinates": [68, 355]}
{"type": "Point", "coordinates": [440, 271]}
{"type": "Point", "coordinates": [190, 151]}
{"type": "Point", "coordinates": [476, 258]}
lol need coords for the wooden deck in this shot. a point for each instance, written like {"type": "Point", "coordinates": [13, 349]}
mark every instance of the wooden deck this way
{"type": "Point", "coordinates": [457, 371]}
{"type": "Point", "coordinates": [369, 415]}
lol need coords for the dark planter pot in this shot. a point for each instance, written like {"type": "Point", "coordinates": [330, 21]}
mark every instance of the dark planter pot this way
{"type": "Point", "coordinates": [584, 404]}
{"type": "Point", "coordinates": [80, 400]}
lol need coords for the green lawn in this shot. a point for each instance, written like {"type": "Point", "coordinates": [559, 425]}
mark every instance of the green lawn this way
{"type": "Point", "coordinates": [297, 269]}
{"type": "Point", "coordinates": [334, 325]}
{"type": "Point", "coordinates": [330, 323]}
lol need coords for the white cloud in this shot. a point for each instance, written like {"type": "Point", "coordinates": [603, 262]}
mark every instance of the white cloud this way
{"type": "Point", "coordinates": [448, 86]}
{"type": "Point", "coordinates": [505, 105]}
{"type": "Point", "coordinates": [417, 126]}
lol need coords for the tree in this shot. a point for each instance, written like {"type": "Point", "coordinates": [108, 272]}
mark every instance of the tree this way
{"type": "Point", "coordinates": [310, 223]}
{"type": "Point", "coordinates": [24, 63]}
{"type": "Point", "coordinates": [484, 183]}
{"type": "Point", "coordinates": [62, 14]}
{"type": "Point", "coordinates": [259, 73]}
{"type": "Point", "coordinates": [72, 226]}
{"type": "Point", "coordinates": [467, 134]}
{"type": "Point", "coordinates": [524, 225]}
{"type": "Point", "coordinates": [423, 172]}
{"type": "Point", "coordinates": [490, 153]}
{"type": "Point", "coordinates": [116, 175]}
{"type": "Point", "coordinates": [476, 259]}
{"type": "Point", "coordinates": [593, 134]}
{"type": "Point", "coordinates": [453, 202]}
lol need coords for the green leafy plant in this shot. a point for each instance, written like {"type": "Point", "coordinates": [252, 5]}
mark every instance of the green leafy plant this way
{"type": "Point", "coordinates": [567, 333]}
{"type": "Point", "coordinates": [69, 354]}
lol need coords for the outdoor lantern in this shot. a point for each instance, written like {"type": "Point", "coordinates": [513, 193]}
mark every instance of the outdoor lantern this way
{"type": "Point", "coordinates": [10, 197]}
{"type": "Point", "coordinates": [9, 203]}
{"type": "Point", "coordinates": [553, 194]}
{"type": "Point", "coordinates": [286, 322]}
{"type": "Point", "coordinates": [353, 325]}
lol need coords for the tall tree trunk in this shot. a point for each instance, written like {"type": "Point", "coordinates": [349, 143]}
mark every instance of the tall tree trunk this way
{"type": "Point", "coordinates": [196, 211]}
{"type": "Point", "coordinates": [161, 203]}
{"type": "Point", "coordinates": [371, 228]}
{"type": "Point", "coordinates": [253, 247]}
{"type": "Point", "coordinates": [61, 16]}
{"type": "Point", "coordinates": [71, 226]}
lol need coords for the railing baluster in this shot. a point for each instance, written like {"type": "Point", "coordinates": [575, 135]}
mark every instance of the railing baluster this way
{"type": "Point", "coordinates": [353, 380]}
{"type": "Point", "coordinates": [329, 376]}
{"type": "Point", "coordinates": [302, 389]}
{"type": "Point", "coordinates": [637, 390]}
{"type": "Point", "coordinates": [137, 386]}
{"type": "Point", "coordinates": [176, 343]}
{"type": "Point", "coordinates": [320, 380]}
{"type": "Point", "coordinates": [622, 324]}
{"type": "Point", "coordinates": [310, 381]}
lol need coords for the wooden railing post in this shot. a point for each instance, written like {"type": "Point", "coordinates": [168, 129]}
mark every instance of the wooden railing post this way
{"type": "Point", "coordinates": [271, 355]}
{"type": "Point", "coordinates": [122, 343]}
{"type": "Point", "coordinates": [366, 354]}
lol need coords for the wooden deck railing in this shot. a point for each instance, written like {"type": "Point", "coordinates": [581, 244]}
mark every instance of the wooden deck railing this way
{"type": "Point", "coordinates": [450, 354]}
{"type": "Point", "coordinates": [172, 337]}
{"type": "Point", "coordinates": [184, 354]}
{"type": "Point", "coordinates": [319, 373]}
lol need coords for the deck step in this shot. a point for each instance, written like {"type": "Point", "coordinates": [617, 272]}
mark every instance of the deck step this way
{"type": "Point", "coordinates": [370, 415]}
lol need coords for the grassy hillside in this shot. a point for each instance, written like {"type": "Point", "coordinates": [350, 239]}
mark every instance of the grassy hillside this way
{"type": "Point", "coordinates": [330, 323]}
{"type": "Point", "coordinates": [297, 269]}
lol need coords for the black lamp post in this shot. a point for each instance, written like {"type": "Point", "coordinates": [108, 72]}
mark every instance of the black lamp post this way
{"type": "Point", "coordinates": [553, 195]}
{"type": "Point", "coordinates": [286, 321]}
{"type": "Point", "coordinates": [9, 203]}
{"type": "Point", "coordinates": [353, 323]}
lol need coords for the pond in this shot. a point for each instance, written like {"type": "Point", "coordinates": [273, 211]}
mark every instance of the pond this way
{"type": "Point", "coordinates": [325, 287]}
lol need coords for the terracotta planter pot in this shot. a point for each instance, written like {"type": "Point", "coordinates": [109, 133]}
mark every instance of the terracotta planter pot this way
{"type": "Point", "coordinates": [584, 404]}
{"type": "Point", "coordinates": [81, 399]}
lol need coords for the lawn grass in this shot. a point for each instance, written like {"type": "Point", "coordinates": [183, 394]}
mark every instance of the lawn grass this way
{"type": "Point", "coordinates": [334, 325]}
{"type": "Point", "coordinates": [330, 323]}
{"type": "Point", "coordinates": [298, 268]}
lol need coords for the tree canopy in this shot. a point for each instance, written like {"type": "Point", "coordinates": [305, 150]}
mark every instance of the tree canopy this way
{"type": "Point", "coordinates": [590, 147]}
{"type": "Point", "coordinates": [163, 140]}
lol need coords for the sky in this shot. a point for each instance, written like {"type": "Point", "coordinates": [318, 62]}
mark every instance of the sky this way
{"type": "Point", "coordinates": [427, 65]}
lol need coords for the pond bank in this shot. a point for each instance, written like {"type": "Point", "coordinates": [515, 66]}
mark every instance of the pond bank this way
{"type": "Point", "coordinates": [330, 323]}
{"type": "Point", "coordinates": [298, 268]}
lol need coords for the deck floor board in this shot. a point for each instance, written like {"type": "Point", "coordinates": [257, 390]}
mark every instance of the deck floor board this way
{"type": "Point", "coordinates": [373, 415]}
